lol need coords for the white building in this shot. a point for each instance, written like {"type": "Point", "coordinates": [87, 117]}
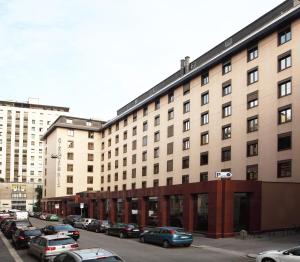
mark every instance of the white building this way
{"type": "Point", "coordinates": [21, 151]}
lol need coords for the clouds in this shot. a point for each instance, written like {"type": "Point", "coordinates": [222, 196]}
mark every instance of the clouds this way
{"type": "Point", "coordinates": [97, 55]}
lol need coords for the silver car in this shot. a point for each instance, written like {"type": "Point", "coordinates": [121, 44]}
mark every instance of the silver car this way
{"type": "Point", "coordinates": [47, 247]}
{"type": "Point", "coordinates": [292, 254]}
{"type": "Point", "coordinates": [90, 255]}
{"type": "Point", "coordinates": [83, 222]}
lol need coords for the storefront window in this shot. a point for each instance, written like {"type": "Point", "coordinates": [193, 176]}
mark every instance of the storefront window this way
{"type": "Point", "coordinates": [134, 210]}
{"type": "Point", "coordinates": [120, 210]}
{"type": "Point", "coordinates": [153, 212]}
{"type": "Point", "coordinates": [202, 212]}
{"type": "Point", "coordinates": [176, 211]}
{"type": "Point", "coordinates": [241, 211]}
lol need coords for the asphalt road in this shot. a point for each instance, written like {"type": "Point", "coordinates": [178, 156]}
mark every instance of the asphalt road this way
{"type": "Point", "coordinates": [134, 251]}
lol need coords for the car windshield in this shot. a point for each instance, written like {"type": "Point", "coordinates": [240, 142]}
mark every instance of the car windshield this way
{"type": "Point", "coordinates": [104, 259]}
{"type": "Point", "coordinates": [35, 232]}
{"type": "Point", "coordinates": [22, 223]}
{"type": "Point", "coordinates": [61, 241]}
{"type": "Point", "coordinates": [63, 228]}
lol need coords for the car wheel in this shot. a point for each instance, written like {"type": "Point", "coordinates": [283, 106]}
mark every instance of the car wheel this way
{"type": "Point", "coordinates": [142, 239]}
{"type": "Point", "coordinates": [122, 235]}
{"type": "Point", "coordinates": [267, 259]}
{"type": "Point", "coordinates": [166, 244]}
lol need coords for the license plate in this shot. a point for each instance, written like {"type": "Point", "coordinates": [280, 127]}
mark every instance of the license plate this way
{"type": "Point", "coordinates": [184, 237]}
{"type": "Point", "coordinates": [135, 230]}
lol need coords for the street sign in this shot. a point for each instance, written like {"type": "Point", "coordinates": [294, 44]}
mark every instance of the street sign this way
{"type": "Point", "coordinates": [56, 206]}
{"type": "Point", "coordinates": [223, 175]}
{"type": "Point", "coordinates": [81, 205]}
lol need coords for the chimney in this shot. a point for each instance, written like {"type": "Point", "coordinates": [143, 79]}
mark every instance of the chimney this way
{"type": "Point", "coordinates": [187, 64]}
{"type": "Point", "coordinates": [182, 63]}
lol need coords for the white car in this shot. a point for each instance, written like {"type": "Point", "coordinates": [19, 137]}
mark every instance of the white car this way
{"type": "Point", "coordinates": [289, 255]}
{"type": "Point", "coordinates": [83, 222]}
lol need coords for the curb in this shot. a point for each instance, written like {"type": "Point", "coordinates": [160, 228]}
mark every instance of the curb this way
{"type": "Point", "coordinates": [10, 249]}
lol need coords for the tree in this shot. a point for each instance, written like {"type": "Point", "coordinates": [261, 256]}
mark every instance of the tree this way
{"type": "Point", "coordinates": [39, 194]}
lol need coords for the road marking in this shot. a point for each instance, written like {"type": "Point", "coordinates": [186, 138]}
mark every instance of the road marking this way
{"type": "Point", "coordinates": [222, 250]}
{"type": "Point", "coordinates": [10, 249]}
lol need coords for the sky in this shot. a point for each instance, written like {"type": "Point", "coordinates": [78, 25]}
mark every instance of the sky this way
{"type": "Point", "coordinates": [95, 56]}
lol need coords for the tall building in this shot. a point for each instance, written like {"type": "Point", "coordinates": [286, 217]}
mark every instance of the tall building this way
{"type": "Point", "coordinates": [21, 150]}
{"type": "Point", "coordinates": [235, 110]}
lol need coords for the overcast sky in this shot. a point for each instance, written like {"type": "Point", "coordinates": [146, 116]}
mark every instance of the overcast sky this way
{"type": "Point", "coordinates": [95, 56]}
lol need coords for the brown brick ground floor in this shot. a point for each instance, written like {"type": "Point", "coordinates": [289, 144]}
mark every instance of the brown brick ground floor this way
{"type": "Point", "coordinates": [215, 208]}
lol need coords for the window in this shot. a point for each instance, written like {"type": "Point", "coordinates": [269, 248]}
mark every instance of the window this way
{"type": "Point", "coordinates": [205, 79]}
{"type": "Point", "coordinates": [125, 148]}
{"type": "Point", "coordinates": [145, 111]}
{"type": "Point", "coordinates": [145, 126]}
{"type": "Point", "coordinates": [169, 181]}
{"type": "Point", "coordinates": [185, 162]}
{"type": "Point", "coordinates": [90, 134]}
{"type": "Point", "coordinates": [156, 120]}
{"type": "Point", "coordinates": [170, 114]}
{"type": "Point", "coordinates": [155, 183]}
{"type": "Point", "coordinates": [145, 140]}
{"type": "Point", "coordinates": [204, 98]}
{"type": "Point", "coordinates": [252, 100]}
{"type": "Point", "coordinates": [108, 178]}
{"type": "Point", "coordinates": [117, 139]}
{"type": "Point", "coordinates": [102, 145]}
{"type": "Point", "coordinates": [156, 136]}
{"type": "Point", "coordinates": [157, 104]}
{"type": "Point", "coordinates": [133, 173]}
{"type": "Point", "coordinates": [252, 53]}
{"type": "Point", "coordinates": [144, 156]}
{"type": "Point", "coordinates": [252, 148]}
{"type": "Point", "coordinates": [90, 180]}
{"type": "Point", "coordinates": [109, 154]}
{"type": "Point", "coordinates": [226, 154]}
{"type": "Point", "coordinates": [70, 132]}
{"type": "Point", "coordinates": [186, 89]}
{"type": "Point", "coordinates": [171, 97]}
{"type": "Point", "coordinates": [134, 145]}
{"type": "Point", "coordinates": [70, 156]}
{"type": "Point", "coordinates": [284, 36]}
{"type": "Point", "coordinates": [125, 135]}
{"type": "Point", "coordinates": [203, 176]}
{"type": "Point", "coordinates": [186, 107]}
{"type": "Point", "coordinates": [133, 159]}
{"type": "Point", "coordinates": [134, 116]}
{"type": "Point", "coordinates": [204, 118]}
{"type": "Point", "coordinates": [69, 190]}
{"type": "Point", "coordinates": [284, 61]}
{"type": "Point", "coordinates": [116, 164]}
{"type": "Point", "coordinates": [285, 87]}
{"type": "Point", "coordinates": [91, 157]}
{"type": "Point", "coordinates": [70, 167]}
{"type": "Point", "coordinates": [203, 158]}
{"type": "Point", "coordinates": [226, 110]}
{"type": "Point", "coordinates": [252, 76]}
{"type": "Point", "coordinates": [186, 143]}
{"type": "Point", "coordinates": [204, 138]}
{"type": "Point", "coordinates": [69, 179]}
{"type": "Point", "coordinates": [252, 172]}
{"type": "Point", "coordinates": [109, 130]}
{"type": "Point", "coordinates": [124, 161]}
{"type": "Point", "coordinates": [284, 168]}
{"type": "Point", "coordinates": [226, 132]}
{"type": "Point", "coordinates": [284, 141]}
{"type": "Point", "coordinates": [90, 168]}
{"type": "Point", "coordinates": [285, 114]}
{"type": "Point", "coordinates": [117, 126]}
{"type": "Point", "coordinates": [156, 152]}
{"type": "Point", "coordinates": [90, 146]}
{"type": "Point", "coordinates": [156, 168]}
{"type": "Point", "coordinates": [252, 124]}
{"type": "Point", "coordinates": [170, 148]}
{"type": "Point", "coordinates": [186, 125]}
{"type": "Point", "coordinates": [144, 171]}
{"type": "Point", "coordinates": [124, 175]}
{"type": "Point", "coordinates": [185, 179]}
{"type": "Point", "coordinates": [226, 88]}
{"type": "Point", "coordinates": [170, 131]}
{"type": "Point", "coordinates": [125, 122]}
{"type": "Point", "coordinates": [144, 184]}
{"type": "Point", "coordinates": [134, 131]}
{"type": "Point", "coordinates": [226, 68]}
{"type": "Point", "coordinates": [116, 151]}
{"type": "Point", "coordinates": [169, 165]}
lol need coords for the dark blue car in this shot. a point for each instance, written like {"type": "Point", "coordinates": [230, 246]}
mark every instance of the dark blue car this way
{"type": "Point", "coordinates": [167, 236]}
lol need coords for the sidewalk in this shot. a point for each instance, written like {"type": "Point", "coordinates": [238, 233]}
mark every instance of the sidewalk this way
{"type": "Point", "coordinates": [5, 255]}
{"type": "Point", "coordinates": [250, 246]}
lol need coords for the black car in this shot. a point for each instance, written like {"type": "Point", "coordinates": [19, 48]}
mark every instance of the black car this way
{"type": "Point", "coordinates": [71, 219]}
{"type": "Point", "coordinates": [4, 222]}
{"type": "Point", "coordinates": [124, 230]}
{"type": "Point", "coordinates": [68, 230]}
{"type": "Point", "coordinates": [13, 225]}
{"type": "Point", "coordinates": [98, 226]}
{"type": "Point", "coordinates": [22, 237]}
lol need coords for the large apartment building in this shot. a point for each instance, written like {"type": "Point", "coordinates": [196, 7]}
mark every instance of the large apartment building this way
{"type": "Point", "coordinates": [22, 124]}
{"type": "Point", "coordinates": [234, 109]}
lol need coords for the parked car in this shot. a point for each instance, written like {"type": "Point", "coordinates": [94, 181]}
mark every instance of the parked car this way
{"type": "Point", "coordinates": [83, 222]}
{"type": "Point", "coordinates": [292, 254]}
{"type": "Point", "coordinates": [93, 254]}
{"type": "Point", "coordinates": [71, 219]}
{"type": "Point", "coordinates": [67, 230]}
{"type": "Point", "coordinates": [37, 214]}
{"type": "Point", "coordinates": [98, 226]}
{"type": "Point", "coordinates": [14, 225]}
{"type": "Point", "coordinates": [124, 230]}
{"type": "Point", "coordinates": [22, 237]}
{"type": "Point", "coordinates": [47, 247]}
{"type": "Point", "coordinates": [52, 217]}
{"type": "Point", "coordinates": [4, 222]}
{"type": "Point", "coordinates": [43, 216]}
{"type": "Point", "coordinates": [167, 236]}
